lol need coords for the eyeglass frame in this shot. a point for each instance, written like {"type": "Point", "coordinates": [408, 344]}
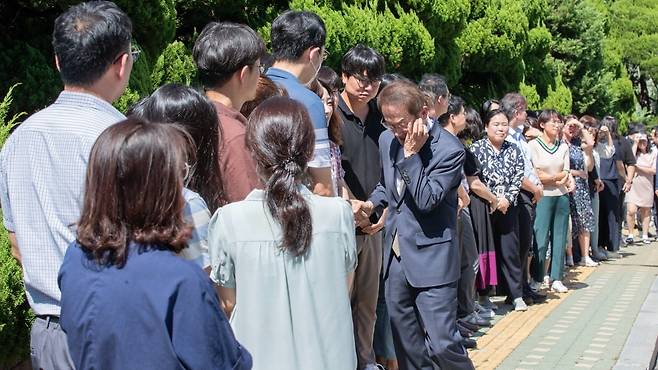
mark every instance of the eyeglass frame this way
{"type": "Point", "coordinates": [366, 81]}
{"type": "Point", "coordinates": [135, 52]}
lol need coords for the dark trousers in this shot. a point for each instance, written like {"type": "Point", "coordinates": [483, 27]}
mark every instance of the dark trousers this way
{"type": "Point", "coordinates": [423, 322]}
{"type": "Point", "coordinates": [469, 262]}
{"type": "Point", "coordinates": [506, 239]}
{"type": "Point", "coordinates": [526, 233]}
{"type": "Point", "coordinates": [610, 216]}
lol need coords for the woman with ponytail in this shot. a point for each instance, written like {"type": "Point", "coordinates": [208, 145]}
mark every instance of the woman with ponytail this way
{"type": "Point", "coordinates": [283, 256]}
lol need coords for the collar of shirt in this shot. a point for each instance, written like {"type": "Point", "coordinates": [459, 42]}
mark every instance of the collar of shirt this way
{"type": "Point", "coordinates": [86, 100]}
{"type": "Point", "coordinates": [516, 134]}
{"type": "Point", "coordinates": [223, 110]}
{"type": "Point", "coordinates": [430, 124]}
{"type": "Point", "coordinates": [281, 74]}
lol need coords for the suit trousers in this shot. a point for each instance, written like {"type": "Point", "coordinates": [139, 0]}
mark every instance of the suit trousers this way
{"type": "Point", "coordinates": [365, 290]}
{"type": "Point", "coordinates": [469, 263]}
{"type": "Point", "coordinates": [424, 324]}
{"type": "Point", "coordinates": [49, 348]}
{"type": "Point", "coordinates": [610, 215]}
{"type": "Point", "coordinates": [526, 232]}
{"type": "Point", "coordinates": [506, 239]}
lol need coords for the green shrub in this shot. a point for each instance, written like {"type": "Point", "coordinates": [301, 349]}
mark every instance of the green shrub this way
{"type": "Point", "coordinates": [174, 65]}
{"type": "Point", "coordinates": [15, 314]}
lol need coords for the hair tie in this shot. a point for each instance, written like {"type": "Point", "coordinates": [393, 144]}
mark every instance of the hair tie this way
{"type": "Point", "coordinates": [289, 165]}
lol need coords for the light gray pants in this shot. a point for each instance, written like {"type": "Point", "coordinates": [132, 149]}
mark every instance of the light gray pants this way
{"type": "Point", "coordinates": [365, 290]}
{"type": "Point", "coordinates": [48, 347]}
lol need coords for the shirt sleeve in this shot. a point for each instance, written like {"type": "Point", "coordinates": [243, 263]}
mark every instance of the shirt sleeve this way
{"type": "Point", "coordinates": [349, 238]}
{"type": "Point", "coordinates": [627, 150]}
{"type": "Point", "coordinates": [201, 335]}
{"type": "Point", "coordinates": [470, 164]}
{"type": "Point", "coordinates": [222, 268]}
{"type": "Point", "coordinates": [238, 169]}
{"type": "Point", "coordinates": [196, 213]}
{"type": "Point", "coordinates": [322, 153]}
{"type": "Point", "coordinates": [518, 172]}
{"type": "Point", "coordinates": [565, 158]}
{"type": "Point", "coordinates": [4, 195]}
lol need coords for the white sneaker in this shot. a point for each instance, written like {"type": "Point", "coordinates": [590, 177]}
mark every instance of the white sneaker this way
{"type": "Point", "coordinates": [587, 262]}
{"type": "Point", "coordinates": [519, 304]}
{"type": "Point", "coordinates": [558, 287]}
{"type": "Point", "coordinates": [535, 286]}
{"type": "Point", "coordinates": [646, 240]}
{"type": "Point", "coordinates": [546, 283]}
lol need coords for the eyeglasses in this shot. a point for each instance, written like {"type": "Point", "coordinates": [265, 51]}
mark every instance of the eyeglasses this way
{"type": "Point", "coordinates": [261, 68]}
{"type": "Point", "coordinates": [365, 81]}
{"type": "Point", "coordinates": [325, 54]}
{"type": "Point", "coordinates": [135, 51]}
{"type": "Point", "coordinates": [189, 172]}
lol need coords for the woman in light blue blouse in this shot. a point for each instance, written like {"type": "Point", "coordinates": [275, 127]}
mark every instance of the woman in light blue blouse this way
{"type": "Point", "coordinates": [284, 256]}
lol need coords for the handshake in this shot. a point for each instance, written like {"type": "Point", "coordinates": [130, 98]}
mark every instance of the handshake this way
{"type": "Point", "coordinates": [362, 211]}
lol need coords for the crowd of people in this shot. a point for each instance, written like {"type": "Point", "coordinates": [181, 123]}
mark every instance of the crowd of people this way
{"type": "Point", "coordinates": [342, 220]}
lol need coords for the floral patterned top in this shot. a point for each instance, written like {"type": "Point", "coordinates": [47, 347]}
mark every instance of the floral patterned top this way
{"type": "Point", "coordinates": [502, 170]}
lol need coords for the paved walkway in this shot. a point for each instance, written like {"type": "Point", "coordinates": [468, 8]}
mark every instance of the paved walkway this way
{"type": "Point", "coordinates": [587, 328]}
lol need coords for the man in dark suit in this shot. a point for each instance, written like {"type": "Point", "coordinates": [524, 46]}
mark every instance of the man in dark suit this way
{"type": "Point", "coordinates": [421, 169]}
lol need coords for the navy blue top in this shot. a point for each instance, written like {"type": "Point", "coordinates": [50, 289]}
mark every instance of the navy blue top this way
{"type": "Point", "coordinates": [156, 312]}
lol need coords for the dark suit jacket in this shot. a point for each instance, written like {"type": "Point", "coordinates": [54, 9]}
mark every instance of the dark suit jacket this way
{"type": "Point", "coordinates": [425, 216]}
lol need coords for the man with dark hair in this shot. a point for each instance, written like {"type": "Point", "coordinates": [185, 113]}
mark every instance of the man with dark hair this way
{"type": "Point", "coordinates": [435, 86]}
{"type": "Point", "coordinates": [43, 163]}
{"type": "Point", "coordinates": [514, 105]}
{"type": "Point", "coordinates": [362, 69]}
{"type": "Point", "coordinates": [227, 56]}
{"type": "Point", "coordinates": [298, 39]}
{"type": "Point", "coordinates": [421, 172]}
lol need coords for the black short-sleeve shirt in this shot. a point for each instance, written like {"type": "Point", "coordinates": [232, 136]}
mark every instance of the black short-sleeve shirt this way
{"type": "Point", "coordinates": [471, 164]}
{"type": "Point", "coordinates": [360, 150]}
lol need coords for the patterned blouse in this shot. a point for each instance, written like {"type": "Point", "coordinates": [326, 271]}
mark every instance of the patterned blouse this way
{"type": "Point", "coordinates": [501, 171]}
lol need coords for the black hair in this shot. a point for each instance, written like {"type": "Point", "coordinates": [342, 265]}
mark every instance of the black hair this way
{"type": "Point", "coordinates": [547, 115]}
{"type": "Point", "coordinates": [455, 106]}
{"type": "Point", "coordinates": [222, 49]}
{"type": "Point", "coordinates": [511, 103]}
{"type": "Point", "coordinates": [88, 38]}
{"type": "Point", "coordinates": [435, 84]}
{"type": "Point", "coordinates": [281, 137]}
{"type": "Point", "coordinates": [293, 32]}
{"type": "Point", "coordinates": [173, 103]}
{"type": "Point", "coordinates": [611, 123]}
{"type": "Point", "coordinates": [363, 58]}
{"type": "Point", "coordinates": [388, 78]}
{"type": "Point", "coordinates": [474, 127]}
{"type": "Point", "coordinates": [329, 79]}
{"type": "Point", "coordinates": [486, 106]}
{"type": "Point", "coordinates": [491, 114]}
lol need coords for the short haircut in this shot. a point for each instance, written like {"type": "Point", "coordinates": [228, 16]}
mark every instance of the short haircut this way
{"type": "Point", "coordinates": [88, 38]}
{"type": "Point", "coordinates": [589, 121]}
{"type": "Point", "coordinates": [224, 48]}
{"type": "Point", "coordinates": [434, 84]}
{"type": "Point", "coordinates": [402, 93]}
{"type": "Point", "coordinates": [491, 114]}
{"type": "Point", "coordinates": [293, 32]}
{"type": "Point", "coordinates": [134, 191]}
{"type": "Point", "coordinates": [363, 58]}
{"type": "Point", "coordinates": [512, 103]}
{"type": "Point", "coordinates": [455, 106]}
{"type": "Point", "coordinates": [547, 115]}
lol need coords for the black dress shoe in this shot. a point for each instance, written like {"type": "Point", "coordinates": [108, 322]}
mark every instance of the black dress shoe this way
{"type": "Point", "coordinates": [463, 331]}
{"type": "Point", "coordinates": [469, 343]}
{"type": "Point", "coordinates": [538, 297]}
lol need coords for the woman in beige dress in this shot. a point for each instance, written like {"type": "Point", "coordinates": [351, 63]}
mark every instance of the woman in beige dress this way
{"type": "Point", "coordinates": [640, 196]}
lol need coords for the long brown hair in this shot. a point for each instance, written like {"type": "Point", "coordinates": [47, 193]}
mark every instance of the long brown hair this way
{"type": "Point", "coordinates": [281, 137]}
{"type": "Point", "coordinates": [134, 190]}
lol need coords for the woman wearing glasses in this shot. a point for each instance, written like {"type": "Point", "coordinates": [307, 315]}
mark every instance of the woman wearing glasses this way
{"type": "Point", "coordinates": [502, 171]}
